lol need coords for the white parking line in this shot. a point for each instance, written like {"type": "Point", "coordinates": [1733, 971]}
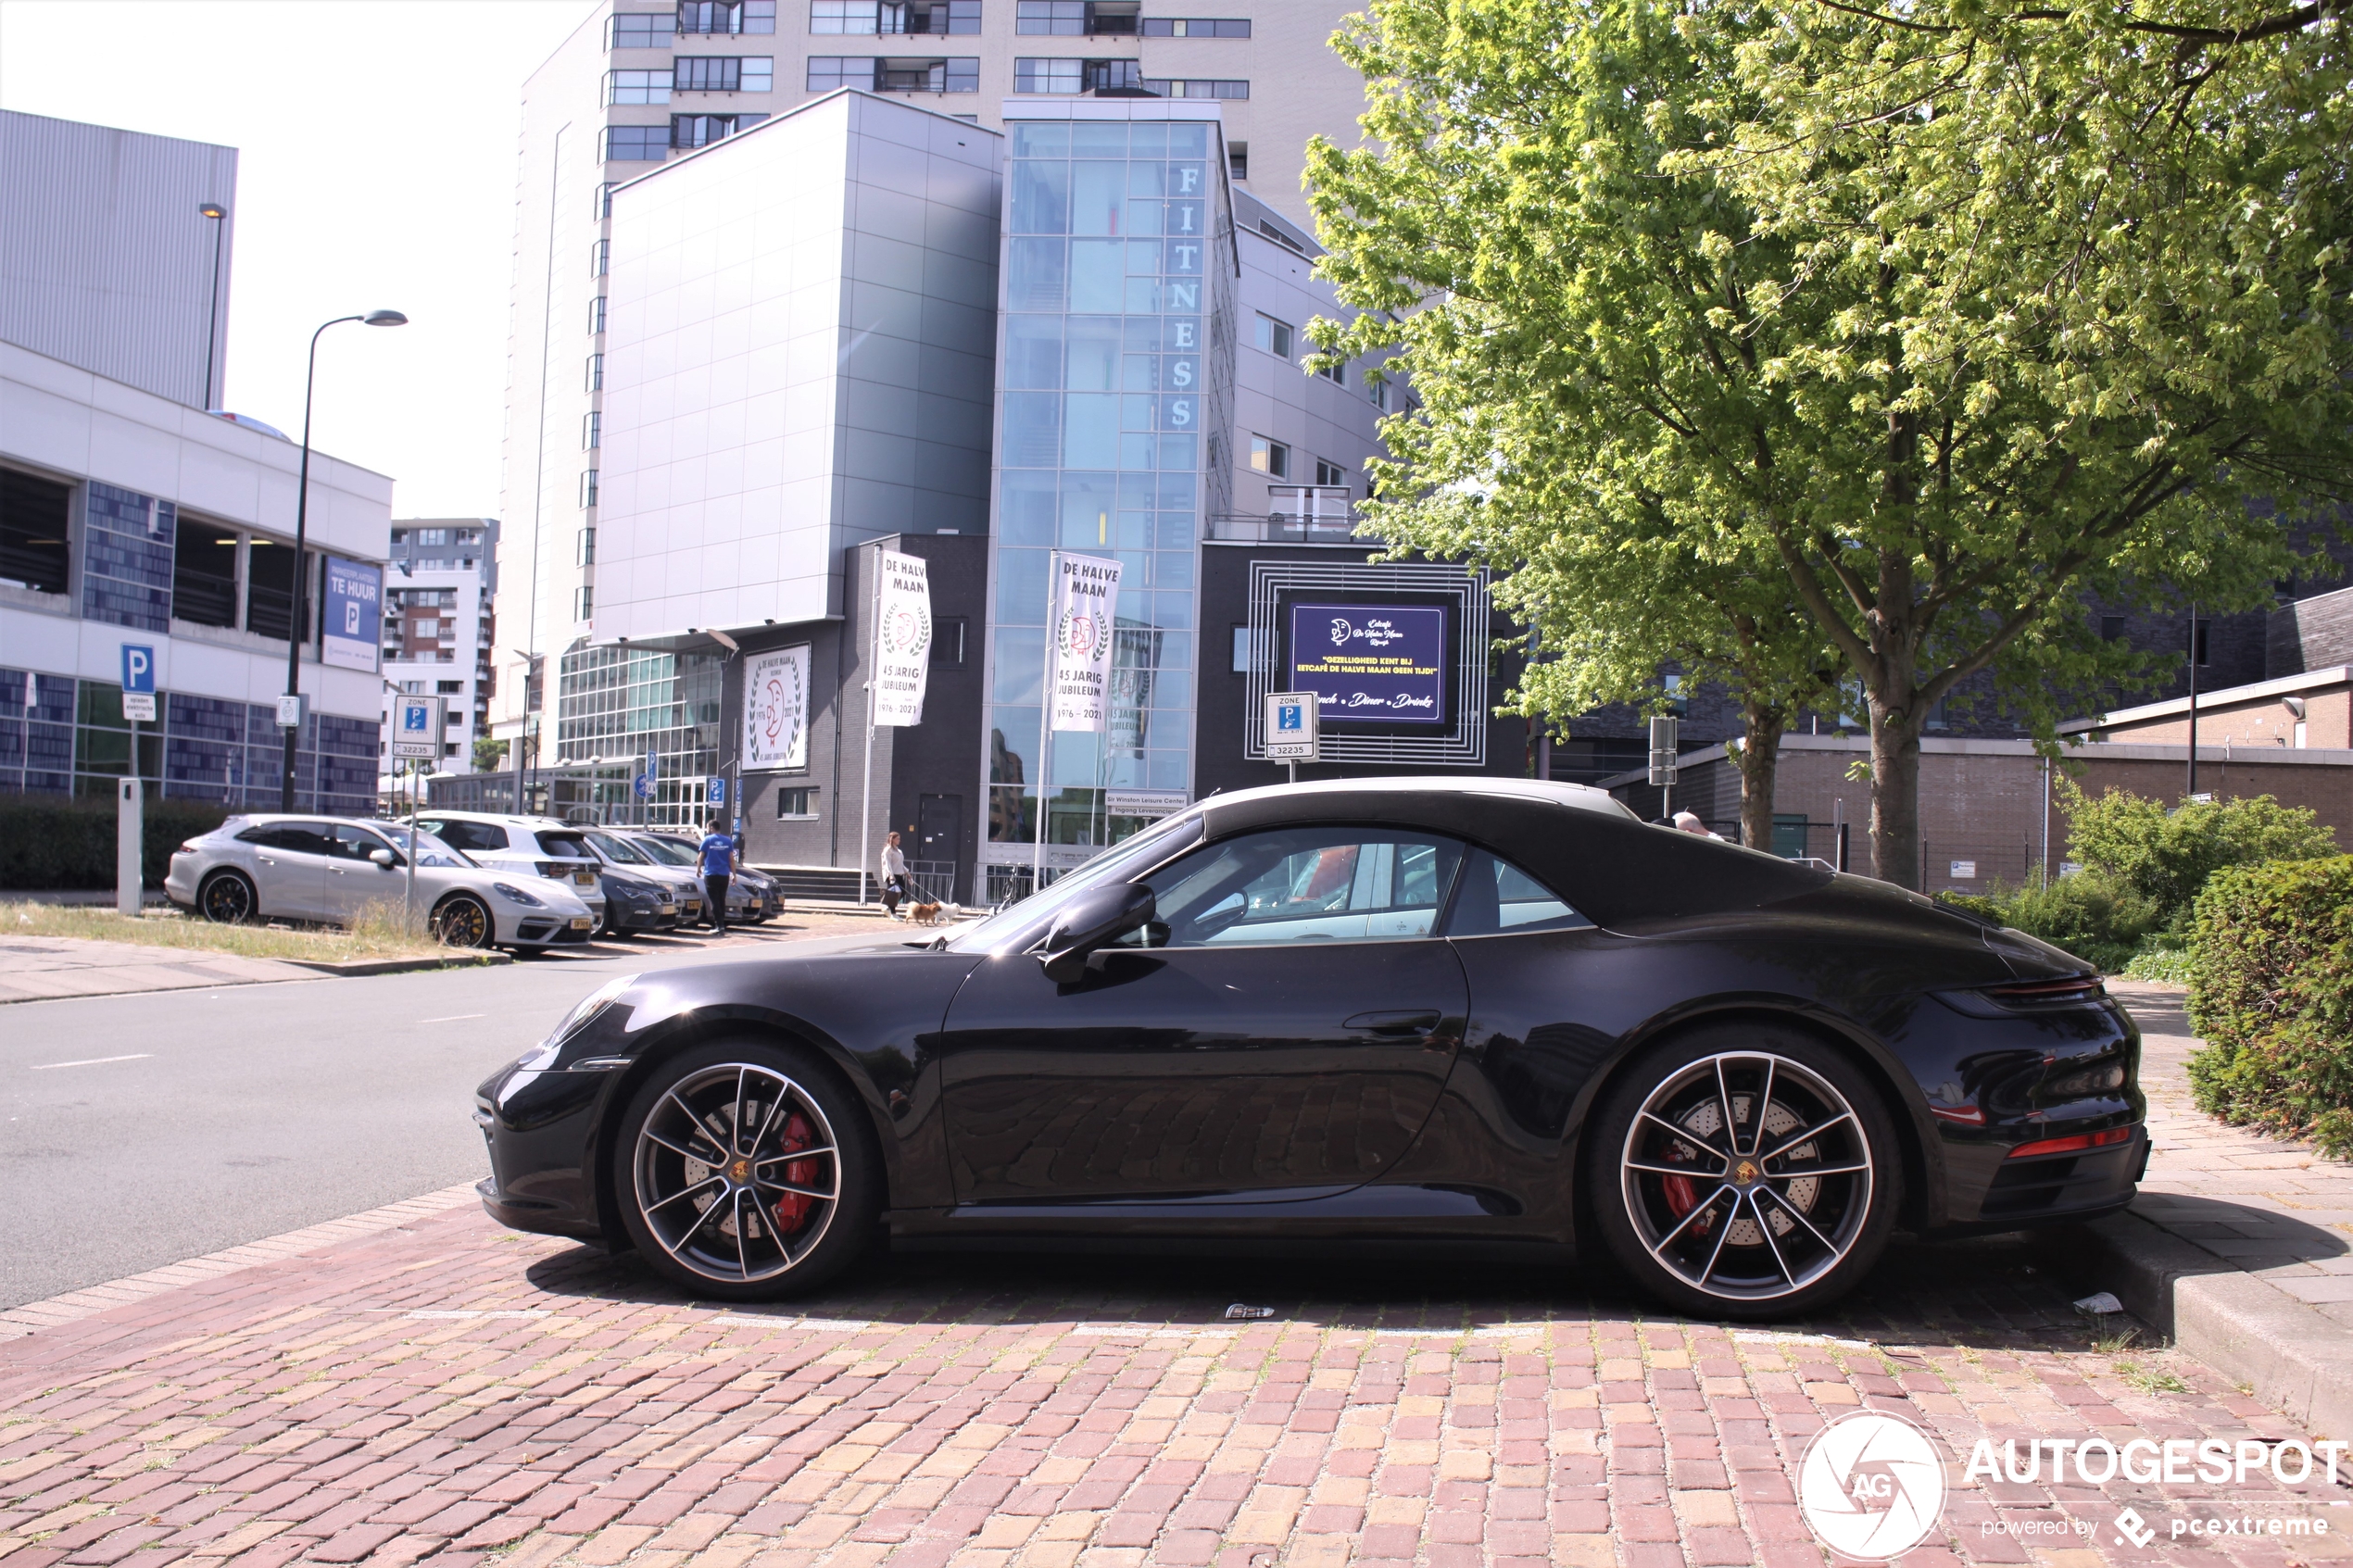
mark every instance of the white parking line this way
{"type": "Point", "coordinates": [92, 1061]}
{"type": "Point", "coordinates": [453, 1018]}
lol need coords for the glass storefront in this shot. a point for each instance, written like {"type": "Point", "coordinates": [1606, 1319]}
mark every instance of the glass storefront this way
{"type": "Point", "coordinates": [614, 705]}
{"type": "Point", "coordinates": [1115, 381]}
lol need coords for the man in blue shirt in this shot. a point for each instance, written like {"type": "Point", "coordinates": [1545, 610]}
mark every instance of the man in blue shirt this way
{"type": "Point", "coordinates": [718, 865]}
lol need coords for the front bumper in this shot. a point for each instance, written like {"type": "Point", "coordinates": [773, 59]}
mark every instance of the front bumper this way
{"type": "Point", "coordinates": [538, 1129]}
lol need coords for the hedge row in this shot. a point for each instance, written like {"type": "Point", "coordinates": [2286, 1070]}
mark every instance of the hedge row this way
{"type": "Point", "coordinates": [49, 842]}
{"type": "Point", "coordinates": [2271, 993]}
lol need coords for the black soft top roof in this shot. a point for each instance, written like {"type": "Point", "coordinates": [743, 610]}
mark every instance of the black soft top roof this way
{"type": "Point", "coordinates": [1617, 869]}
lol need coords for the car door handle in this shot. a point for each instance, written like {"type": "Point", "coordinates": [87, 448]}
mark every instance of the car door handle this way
{"type": "Point", "coordinates": [1393, 1025]}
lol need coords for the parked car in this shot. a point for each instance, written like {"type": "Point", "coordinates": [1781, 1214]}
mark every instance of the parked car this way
{"type": "Point", "coordinates": [1477, 1011]}
{"type": "Point", "coordinates": [332, 869]}
{"type": "Point", "coordinates": [752, 897]}
{"type": "Point", "coordinates": [526, 845]}
{"type": "Point", "coordinates": [642, 893]}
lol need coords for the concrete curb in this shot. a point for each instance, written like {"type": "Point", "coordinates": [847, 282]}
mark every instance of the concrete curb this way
{"type": "Point", "coordinates": [89, 1302]}
{"type": "Point", "coordinates": [402, 966]}
{"type": "Point", "coordinates": [2294, 1359]}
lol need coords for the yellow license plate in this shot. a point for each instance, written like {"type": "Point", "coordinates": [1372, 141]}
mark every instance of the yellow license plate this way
{"type": "Point", "coordinates": [581, 923]}
{"type": "Point", "coordinates": [670, 909]}
{"type": "Point", "coordinates": [586, 879]}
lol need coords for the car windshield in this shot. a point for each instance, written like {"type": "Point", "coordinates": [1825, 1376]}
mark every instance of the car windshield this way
{"type": "Point", "coordinates": [430, 852]}
{"type": "Point", "coordinates": [570, 846]}
{"type": "Point", "coordinates": [1017, 925]}
{"type": "Point", "coordinates": [669, 854]}
{"type": "Point", "coordinates": [617, 849]}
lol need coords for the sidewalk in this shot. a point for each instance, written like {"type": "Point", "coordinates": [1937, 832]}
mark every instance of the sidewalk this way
{"type": "Point", "coordinates": [46, 968]}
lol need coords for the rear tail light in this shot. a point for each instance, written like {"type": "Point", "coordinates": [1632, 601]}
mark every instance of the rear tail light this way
{"type": "Point", "coordinates": [559, 870]}
{"type": "Point", "coordinates": [187, 848]}
{"type": "Point", "coordinates": [2072, 1145]}
{"type": "Point", "coordinates": [2072, 992]}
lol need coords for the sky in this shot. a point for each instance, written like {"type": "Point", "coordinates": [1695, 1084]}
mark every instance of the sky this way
{"type": "Point", "coordinates": [376, 168]}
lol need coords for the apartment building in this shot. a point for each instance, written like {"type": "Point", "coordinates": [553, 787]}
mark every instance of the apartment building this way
{"type": "Point", "coordinates": [440, 627]}
{"type": "Point", "coordinates": [633, 87]}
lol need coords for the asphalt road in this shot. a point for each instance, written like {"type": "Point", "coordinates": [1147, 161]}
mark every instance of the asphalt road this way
{"type": "Point", "coordinates": [242, 1112]}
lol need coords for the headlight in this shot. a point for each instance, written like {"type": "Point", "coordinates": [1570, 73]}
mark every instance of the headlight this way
{"type": "Point", "coordinates": [586, 1008]}
{"type": "Point", "coordinates": [509, 890]}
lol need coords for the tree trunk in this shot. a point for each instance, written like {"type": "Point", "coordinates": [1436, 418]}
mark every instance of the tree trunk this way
{"type": "Point", "coordinates": [1760, 754]}
{"type": "Point", "coordinates": [1895, 796]}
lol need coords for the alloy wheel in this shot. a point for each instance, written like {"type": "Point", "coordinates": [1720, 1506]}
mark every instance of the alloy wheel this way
{"type": "Point", "coordinates": [738, 1173]}
{"type": "Point", "coordinates": [227, 899]}
{"type": "Point", "coordinates": [1747, 1176]}
{"type": "Point", "coordinates": [462, 923]}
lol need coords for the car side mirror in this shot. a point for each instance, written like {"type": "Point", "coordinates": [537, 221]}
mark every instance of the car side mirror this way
{"type": "Point", "coordinates": [383, 857]}
{"type": "Point", "coordinates": [1099, 916]}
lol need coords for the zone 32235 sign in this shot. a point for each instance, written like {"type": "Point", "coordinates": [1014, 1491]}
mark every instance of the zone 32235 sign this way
{"type": "Point", "coordinates": [1371, 664]}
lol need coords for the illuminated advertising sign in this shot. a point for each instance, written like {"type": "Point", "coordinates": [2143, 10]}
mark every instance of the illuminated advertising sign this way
{"type": "Point", "coordinates": [1369, 664]}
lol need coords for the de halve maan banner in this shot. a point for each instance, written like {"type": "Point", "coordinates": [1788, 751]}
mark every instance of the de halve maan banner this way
{"type": "Point", "coordinates": [1086, 598]}
{"type": "Point", "coordinates": [776, 709]}
{"type": "Point", "coordinates": [902, 640]}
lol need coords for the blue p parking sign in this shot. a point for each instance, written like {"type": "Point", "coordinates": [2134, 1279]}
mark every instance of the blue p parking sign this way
{"type": "Point", "coordinates": [1291, 726]}
{"type": "Point", "coordinates": [718, 794]}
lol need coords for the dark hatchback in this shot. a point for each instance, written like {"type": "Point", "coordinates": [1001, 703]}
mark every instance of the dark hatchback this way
{"type": "Point", "coordinates": [1491, 1013]}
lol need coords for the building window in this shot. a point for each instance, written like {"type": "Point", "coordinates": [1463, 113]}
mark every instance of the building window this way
{"type": "Point", "coordinates": [1273, 337]}
{"type": "Point", "coordinates": [948, 643]}
{"type": "Point", "coordinates": [830, 16]}
{"type": "Point", "coordinates": [724, 73]}
{"type": "Point", "coordinates": [1184, 87]}
{"type": "Point", "coordinates": [2111, 628]}
{"type": "Point", "coordinates": [1196, 27]}
{"type": "Point", "coordinates": [588, 488]}
{"type": "Point", "coordinates": [1248, 650]}
{"type": "Point", "coordinates": [637, 87]}
{"type": "Point", "coordinates": [795, 805]}
{"type": "Point", "coordinates": [1270, 457]}
{"type": "Point", "coordinates": [1336, 374]}
{"type": "Point", "coordinates": [203, 573]}
{"type": "Point", "coordinates": [951, 17]}
{"type": "Point", "coordinates": [702, 130]}
{"type": "Point", "coordinates": [596, 315]}
{"type": "Point", "coordinates": [1377, 391]}
{"type": "Point", "coordinates": [1053, 19]}
{"type": "Point", "coordinates": [1115, 76]}
{"type": "Point", "coordinates": [634, 144]}
{"type": "Point", "coordinates": [603, 207]}
{"type": "Point", "coordinates": [600, 259]}
{"type": "Point", "coordinates": [1330, 473]}
{"type": "Point", "coordinates": [595, 372]}
{"type": "Point", "coordinates": [269, 577]}
{"type": "Point", "coordinates": [583, 603]}
{"type": "Point", "coordinates": [955, 75]}
{"type": "Point", "coordinates": [592, 430]}
{"type": "Point", "coordinates": [36, 514]}
{"type": "Point", "coordinates": [728, 16]}
{"type": "Point", "coordinates": [1049, 76]}
{"type": "Point", "coordinates": [1238, 159]}
{"type": "Point", "coordinates": [584, 547]}
{"type": "Point", "coordinates": [827, 72]}
{"type": "Point", "coordinates": [643, 32]}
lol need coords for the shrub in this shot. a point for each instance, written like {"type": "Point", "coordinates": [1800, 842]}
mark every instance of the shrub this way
{"type": "Point", "coordinates": [2167, 854]}
{"type": "Point", "coordinates": [2092, 916]}
{"type": "Point", "coordinates": [2171, 965]}
{"type": "Point", "coordinates": [52, 842]}
{"type": "Point", "coordinates": [2271, 993]}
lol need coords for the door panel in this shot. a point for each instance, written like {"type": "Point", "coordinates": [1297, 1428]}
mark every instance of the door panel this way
{"type": "Point", "coordinates": [353, 881]}
{"type": "Point", "coordinates": [290, 870]}
{"type": "Point", "coordinates": [939, 828]}
{"type": "Point", "coordinates": [1203, 1070]}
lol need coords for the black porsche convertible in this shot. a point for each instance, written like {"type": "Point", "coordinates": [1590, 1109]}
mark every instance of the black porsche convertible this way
{"type": "Point", "coordinates": [1404, 1010]}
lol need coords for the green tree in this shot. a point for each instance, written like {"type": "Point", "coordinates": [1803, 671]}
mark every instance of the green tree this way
{"type": "Point", "coordinates": [1950, 321]}
{"type": "Point", "coordinates": [488, 754]}
{"type": "Point", "coordinates": [2167, 854]}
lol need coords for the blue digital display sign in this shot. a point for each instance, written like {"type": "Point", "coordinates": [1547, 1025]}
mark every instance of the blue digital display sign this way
{"type": "Point", "coordinates": [1371, 664]}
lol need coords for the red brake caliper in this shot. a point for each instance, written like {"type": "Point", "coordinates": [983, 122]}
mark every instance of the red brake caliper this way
{"type": "Point", "coordinates": [792, 1208]}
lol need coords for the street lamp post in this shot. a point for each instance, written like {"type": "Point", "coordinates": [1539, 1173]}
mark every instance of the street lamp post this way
{"type": "Point", "coordinates": [297, 631]}
{"type": "Point", "coordinates": [219, 214]}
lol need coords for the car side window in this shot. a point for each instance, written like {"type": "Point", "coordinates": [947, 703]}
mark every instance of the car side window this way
{"type": "Point", "coordinates": [304, 838]}
{"type": "Point", "coordinates": [467, 836]}
{"type": "Point", "coordinates": [1318, 884]}
{"type": "Point", "coordinates": [1499, 898]}
{"type": "Point", "coordinates": [354, 844]}
{"type": "Point", "coordinates": [570, 846]}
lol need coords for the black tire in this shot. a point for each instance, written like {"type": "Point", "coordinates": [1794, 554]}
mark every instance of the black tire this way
{"type": "Point", "coordinates": [463, 921]}
{"type": "Point", "coordinates": [228, 898]}
{"type": "Point", "coordinates": [1787, 1214]}
{"type": "Point", "coordinates": [829, 1193]}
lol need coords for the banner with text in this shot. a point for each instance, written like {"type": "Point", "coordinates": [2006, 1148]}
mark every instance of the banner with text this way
{"type": "Point", "coordinates": [1086, 598]}
{"type": "Point", "coordinates": [777, 709]}
{"type": "Point", "coordinates": [1371, 664]}
{"type": "Point", "coordinates": [902, 641]}
{"type": "Point", "coordinates": [352, 629]}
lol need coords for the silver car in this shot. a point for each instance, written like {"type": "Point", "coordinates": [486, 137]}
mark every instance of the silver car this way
{"type": "Point", "coordinates": [332, 869]}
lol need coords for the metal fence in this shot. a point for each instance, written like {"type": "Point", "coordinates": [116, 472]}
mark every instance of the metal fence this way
{"type": "Point", "coordinates": [1005, 884]}
{"type": "Point", "coordinates": [934, 880]}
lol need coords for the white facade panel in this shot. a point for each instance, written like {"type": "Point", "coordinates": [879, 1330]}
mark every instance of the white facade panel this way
{"type": "Point", "coordinates": [104, 260]}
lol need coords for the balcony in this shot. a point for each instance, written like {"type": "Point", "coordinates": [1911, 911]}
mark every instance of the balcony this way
{"type": "Point", "coordinates": [1296, 514]}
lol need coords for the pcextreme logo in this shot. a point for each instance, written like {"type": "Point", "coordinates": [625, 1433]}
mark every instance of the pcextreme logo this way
{"type": "Point", "coordinates": [1871, 1485]}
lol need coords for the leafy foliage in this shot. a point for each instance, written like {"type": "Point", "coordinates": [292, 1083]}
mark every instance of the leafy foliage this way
{"type": "Point", "coordinates": [2271, 993]}
{"type": "Point", "coordinates": [1923, 326]}
{"type": "Point", "coordinates": [2167, 854]}
{"type": "Point", "coordinates": [2094, 917]}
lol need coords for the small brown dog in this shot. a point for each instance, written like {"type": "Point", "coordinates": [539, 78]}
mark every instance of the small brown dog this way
{"type": "Point", "coordinates": [925, 915]}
